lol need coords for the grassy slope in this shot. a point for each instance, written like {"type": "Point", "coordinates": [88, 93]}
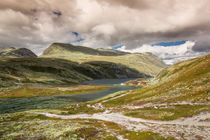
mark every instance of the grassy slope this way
{"type": "Point", "coordinates": [186, 82]}
{"type": "Point", "coordinates": [58, 71]}
{"type": "Point", "coordinates": [144, 63]}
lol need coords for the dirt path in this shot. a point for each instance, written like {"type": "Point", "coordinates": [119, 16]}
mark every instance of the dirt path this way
{"type": "Point", "coordinates": [183, 128]}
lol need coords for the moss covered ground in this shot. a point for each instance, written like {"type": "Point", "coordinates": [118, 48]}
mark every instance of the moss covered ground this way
{"type": "Point", "coordinates": [25, 125]}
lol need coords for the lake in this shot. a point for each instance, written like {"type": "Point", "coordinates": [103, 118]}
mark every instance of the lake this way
{"type": "Point", "coordinates": [10, 105]}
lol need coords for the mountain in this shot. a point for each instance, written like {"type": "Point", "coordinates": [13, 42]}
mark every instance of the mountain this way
{"type": "Point", "coordinates": [59, 71]}
{"type": "Point", "coordinates": [16, 52]}
{"type": "Point", "coordinates": [146, 63]}
{"type": "Point", "coordinates": [67, 49]}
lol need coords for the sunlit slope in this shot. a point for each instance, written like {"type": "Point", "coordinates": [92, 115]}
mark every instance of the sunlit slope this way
{"type": "Point", "coordinates": [187, 82]}
{"type": "Point", "coordinates": [61, 49]}
{"type": "Point", "coordinates": [59, 71]}
{"type": "Point", "coordinates": [143, 62]}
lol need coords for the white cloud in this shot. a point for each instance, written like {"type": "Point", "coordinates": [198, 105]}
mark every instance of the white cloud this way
{"type": "Point", "coordinates": [169, 55]}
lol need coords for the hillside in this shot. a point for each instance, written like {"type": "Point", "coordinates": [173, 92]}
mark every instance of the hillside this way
{"type": "Point", "coordinates": [16, 52]}
{"type": "Point", "coordinates": [58, 71]}
{"type": "Point", "coordinates": [143, 62]}
{"type": "Point", "coordinates": [187, 81]}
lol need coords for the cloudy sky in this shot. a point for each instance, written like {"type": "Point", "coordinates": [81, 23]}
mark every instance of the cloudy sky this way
{"type": "Point", "coordinates": [172, 29]}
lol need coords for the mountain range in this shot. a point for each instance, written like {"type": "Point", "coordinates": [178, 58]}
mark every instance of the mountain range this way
{"type": "Point", "coordinates": [68, 64]}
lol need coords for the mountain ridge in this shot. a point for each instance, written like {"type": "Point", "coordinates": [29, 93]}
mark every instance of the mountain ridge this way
{"type": "Point", "coordinates": [146, 63]}
{"type": "Point", "coordinates": [62, 47]}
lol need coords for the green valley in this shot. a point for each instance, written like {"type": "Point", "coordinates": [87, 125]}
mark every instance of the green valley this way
{"type": "Point", "coordinates": [45, 97]}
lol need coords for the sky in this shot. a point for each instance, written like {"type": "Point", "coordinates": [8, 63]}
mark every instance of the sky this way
{"type": "Point", "coordinates": [174, 30]}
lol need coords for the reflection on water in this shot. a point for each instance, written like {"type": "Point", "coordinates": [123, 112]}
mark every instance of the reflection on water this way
{"type": "Point", "coordinates": [10, 105]}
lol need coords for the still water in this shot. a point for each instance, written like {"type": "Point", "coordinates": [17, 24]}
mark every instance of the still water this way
{"type": "Point", "coordinates": [10, 105]}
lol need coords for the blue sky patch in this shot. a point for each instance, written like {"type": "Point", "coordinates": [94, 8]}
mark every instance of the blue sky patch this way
{"type": "Point", "coordinates": [117, 47]}
{"type": "Point", "coordinates": [80, 40]}
{"type": "Point", "coordinates": [169, 44]}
